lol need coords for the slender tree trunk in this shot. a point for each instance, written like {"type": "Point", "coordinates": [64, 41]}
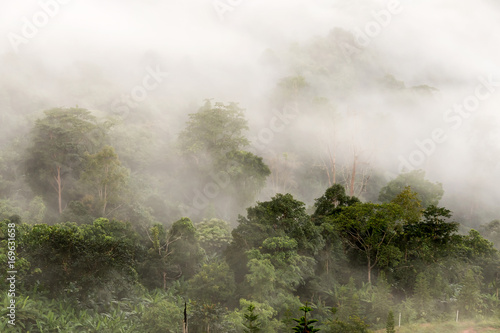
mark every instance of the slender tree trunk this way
{"type": "Point", "coordinates": [59, 188]}
{"type": "Point", "coordinates": [105, 200]}
{"type": "Point", "coordinates": [334, 170]}
{"type": "Point", "coordinates": [353, 175]}
{"type": "Point", "coordinates": [185, 323]}
{"type": "Point", "coordinates": [105, 194]}
{"type": "Point", "coordinates": [369, 270]}
{"type": "Point", "coordinates": [332, 161]}
{"type": "Point", "coordinates": [328, 174]}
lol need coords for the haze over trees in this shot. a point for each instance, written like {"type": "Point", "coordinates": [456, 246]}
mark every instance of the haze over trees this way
{"type": "Point", "coordinates": [249, 166]}
{"type": "Point", "coordinates": [97, 242]}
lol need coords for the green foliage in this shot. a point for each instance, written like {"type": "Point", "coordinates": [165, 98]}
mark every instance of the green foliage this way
{"type": "Point", "coordinates": [469, 298]}
{"type": "Point", "coordinates": [347, 300]}
{"type": "Point", "coordinates": [36, 211]}
{"type": "Point", "coordinates": [333, 201]}
{"type": "Point", "coordinates": [476, 247]}
{"type": "Point", "coordinates": [163, 316]}
{"type": "Point", "coordinates": [105, 178]}
{"type": "Point", "coordinates": [214, 236]}
{"type": "Point", "coordinates": [422, 296]}
{"type": "Point", "coordinates": [354, 324]}
{"type": "Point", "coordinates": [303, 323]}
{"type": "Point", "coordinates": [428, 193]}
{"type": "Point", "coordinates": [215, 130]}
{"type": "Point", "coordinates": [247, 173]}
{"type": "Point", "coordinates": [431, 239]}
{"type": "Point", "coordinates": [207, 318]}
{"type": "Point", "coordinates": [81, 260]}
{"type": "Point", "coordinates": [381, 299]}
{"type": "Point", "coordinates": [55, 157]}
{"type": "Point", "coordinates": [281, 216]}
{"type": "Point", "coordinates": [411, 204]}
{"type": "Point", "coordinates": [265, 317]}
{"type": "Point", "coordinates": [39, 314]}
{"type": "Point", "coordinates": [213, 284]}
{"type": "Point", "coordinates": [368, 228]}
{"type": "Point", "coordinates": [184, 248]}
{"type": "Point", "coordinates": [262, 277]}
{"type": "Point", "coordinates": [7, 209]}
{"type": "Point", "coordinates": [491, 231]}
{"type": "Point", "coordinates": [223, 174]}
{"type": "Point", "coordinates": [389, 328]}
{"type": "Point", "coordinates": [252, 325]}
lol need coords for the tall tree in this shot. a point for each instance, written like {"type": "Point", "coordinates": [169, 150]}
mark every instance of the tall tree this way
{"type": "Point", "coordinates": [59, 141]}
{"type": "Point", "coordinates": [328, 205]}
{"type": "Point", "coordinates": [214, 131]}
{"type": "Point", "coordinates": [226, 176]}
{"type": "Point", "coordinates": [281, 217]}
{"type": "Point", "coordinates": [369, 229]}
{"type": "Point", "coordinates": [105, 176]}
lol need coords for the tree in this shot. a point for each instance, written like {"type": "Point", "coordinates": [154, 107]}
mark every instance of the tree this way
{"type": "Point", "coordinates": [333, 201]}
{"type": "Point", "coordinates": [329, 204]}
{"type": "Point", "coordinates": [214, 236]}
{"type": "Point", "coordinates": [429, 193]}
{"type": "Point", "coordinates": [56, 154]}
{"type": "Point", "coordinates": [381, 298]}
{"type": "Point", "coordinates": [304, 324]}
{"type": "Point", "coordinates": [105, 176]}
{"type": "Point", "coordinates": [411, 204]}
{"type": "Point", "coordinates": [226, 176]}
{"type": "Point", "coordinates": [172, 254]}
{"type": "Point", "coordinates": [389, 328]}
{"type": "Point", "coordinates": [185, 251]}
{"type": "Point", "coordinates": [469, 298]}
{"type": "Point", "coordinates": [162, 316]}
{"type": "Point", "coordinates": [212, 284]}
{"type": "Point", "coordinates": [276, 270]}
{"type": "Point", "coordinates": [247, 173]}
{"type": "Point", "coordinates": [369, 229]}
{"type": "Point", "coordinates": [430, 238]}
{"type": "Point", "coordinates": [422, 295]}
{"type": "Point", "coordinates": [214, 131]}
{"type": "Point", "coordinates": [81, 259]}
{"type": "Point", "coordinates": [251, 324]}
{"type": "Point", "coordinates": [491, 231]}
{"type": "Point", "coordinates": [281, 216]}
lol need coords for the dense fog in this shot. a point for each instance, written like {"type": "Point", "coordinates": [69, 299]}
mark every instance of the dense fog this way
{"type": "Point", "coordinates": [185, 128]}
